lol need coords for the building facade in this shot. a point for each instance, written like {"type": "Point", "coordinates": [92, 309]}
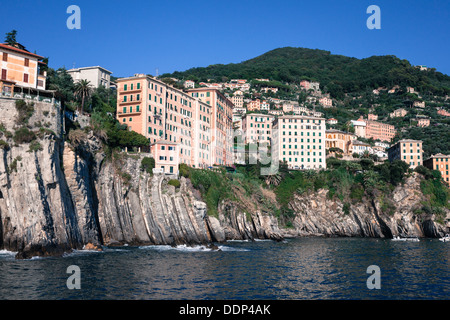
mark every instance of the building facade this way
{"type": "Point", "coordinates": [221, 123]}
{"type": "Point", "coordinates": [161, 112]}
{"type": "Point", "coordinates": [409, 151]}
{"type": "Point", "coordinates": [257, 128]}
{"type": "Point", "coordinates": [339, 139]}
{"type": "Point", "coordinates": [97, 76]}
{"type": "Point", "coordinates": [299, 141]}
{"type": "Point", "coordinates": [441, 163]}
{"type": "Point", "coordinates": [21, 68]}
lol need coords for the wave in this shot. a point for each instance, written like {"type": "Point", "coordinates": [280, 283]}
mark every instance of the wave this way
{"type": "Point", "coordinates": [186, 248]}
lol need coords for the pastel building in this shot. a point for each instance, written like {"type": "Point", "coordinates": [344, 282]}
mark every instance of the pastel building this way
{"type": "Point", "coordinates": [359, 147]}
{"type": "Point", "coordinates": [379, 131]}
{"type": "Point", "coordinates": [441, 163]}
{"type": "Point", "coordinates": [326, 102]}
{"type": "Point", "coordinates": [20, 68]}
{"type": "Point", "coordinates": [339, 139]}
{"type": "Point", "coordinates": [299, 141]}
{"type": "Point", "coordinates": [409, 151]}
{"type": "Point", "coordinates": [96, 75]}
{"type": "Point", "coordinates": [257, 128]}
{"type": "Point", "coordinates": [398, 113]}
{"type": "Point", "coordinates": [160, 112]}
{"type": "Point", "coordinates": [221, 123]}
{"type": "Point", "coordinates": [166, 156]}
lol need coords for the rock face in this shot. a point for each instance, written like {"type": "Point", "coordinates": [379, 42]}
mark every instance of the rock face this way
{"type": "Point", "coordinates": [316, 214]}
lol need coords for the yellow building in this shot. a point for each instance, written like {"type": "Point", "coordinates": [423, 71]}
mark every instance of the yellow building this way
{"type": "Point", "coordinates": [441, 163]}
{"type": "Point", "coordinates": [409, 151]}
{"type": "Point", "coordinates": [339, 139]}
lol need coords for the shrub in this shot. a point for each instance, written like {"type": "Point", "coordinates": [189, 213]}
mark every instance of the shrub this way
{"type": "Point", "coordinates": [346, 208]}
{"type": "Point", "coordinates": [148, 164]}
{"type": "Point", "coordinates": [175, 183]}
{"type": "Point", "coordinates": [24, 135]}
{"type": "Point", "coordinates": [24, 111]}
{"type": "Point", "coordinates": [184, 170]}
{"type": "Point", "coordinates": [35, 146]}
{"type": "Point", "coordinates": [4, 144]}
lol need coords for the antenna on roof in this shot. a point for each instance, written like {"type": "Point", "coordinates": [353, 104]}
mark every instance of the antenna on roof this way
{"type": "Point", "coordinates": [157, 72]}
{"type": "Point", "coordinates": [73, 65]}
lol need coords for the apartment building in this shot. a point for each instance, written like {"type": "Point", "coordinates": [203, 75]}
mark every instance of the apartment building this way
{"type": "Point", "coordinates": [254, 105]}
{"type": "Point", "coordinates": [379, 131]}
{"type": "Point", "coordinates": [238, 99]}
{"type": "Point", "coordinates": [409, 151]}
{"type": "Point", "coordinates": [257, 128]}
{"type": "Point", "coordinates": [96, 75]}
{"type": "Point", "coordinates": [439, 162]}
{"type": "Point", "coordinates": [359, 147]}
{"type": "Point", "coordinates": [166, 156]}
{"type": "Point", "coordinates": [299, 141]}
{"type": "Point", "coordinates": [162, 113]}
{"type": "Point", "coordinates": [20, 68]}
{"type": "Point", "coordinates": [221, 123]}
{"type": "Point", "coordinates": [423, 122]}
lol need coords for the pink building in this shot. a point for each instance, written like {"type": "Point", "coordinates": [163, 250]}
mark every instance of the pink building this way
{"type": "Point", "coordinates": [166, 156]}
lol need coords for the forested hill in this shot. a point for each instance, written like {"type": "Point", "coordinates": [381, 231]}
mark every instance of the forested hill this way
{"type": "Point", "coordinates": [336, 73]}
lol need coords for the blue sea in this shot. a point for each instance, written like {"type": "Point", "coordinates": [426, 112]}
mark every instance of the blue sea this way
{"type": "Point", "coordinates": [295, 269]}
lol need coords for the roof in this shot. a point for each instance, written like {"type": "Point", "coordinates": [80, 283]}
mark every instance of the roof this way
{"type": "Point", "coordinates": [84, 68]}
{"type": "Point", "coordinates": [440, 155]}
{"type": "Point", "coordinates": [164, 142]}
{"type": "Point", "coordinates": [25, 52]}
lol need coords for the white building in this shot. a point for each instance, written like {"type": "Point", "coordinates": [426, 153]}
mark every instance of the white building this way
{"type": "Point", "coordinates": [97, 76]}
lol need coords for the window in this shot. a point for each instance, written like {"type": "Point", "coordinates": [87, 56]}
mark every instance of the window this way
{"type": "Point", "coordinates": [139, 85]}
{"type": "Point", "coordinates": [5, 56]}
{"type": "Point", "coordinates": [124, 109]}
{"type": "Point", "coordinates": [25, 77]}
{"type": "Point", "coordinates": [3, 74]}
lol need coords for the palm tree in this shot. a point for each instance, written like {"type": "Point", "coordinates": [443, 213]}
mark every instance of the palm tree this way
{"type": "Point", "coordinates": [83, 90]}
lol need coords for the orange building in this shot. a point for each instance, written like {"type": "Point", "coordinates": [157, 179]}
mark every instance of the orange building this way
{"type": "Point", "coordinates": [161, 112]}
{"type": "Point", "coordinates": [221, 123]}
{"type": "Point", "coordinates": [21, 68]}
{"type": "Point", "coordinates": [439, 162]}
{"type": "Point", "coordinates": [379, 130]}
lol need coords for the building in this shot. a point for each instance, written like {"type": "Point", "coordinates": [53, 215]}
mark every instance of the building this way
{"type": "Point", "coordinates": [257, 128]}
{"type": "Point", "coordinates": [20, 68]}
{"type": "Point", "coordinates": [332, 121]}
{"type": "Point", "coordinates": [161, 112]}
{"type": "Point", "coordinates": [299, 141]}
{"type": "Point", "coordinates": [439, 162]}
{"type": "Point", "coordinates": [307, 85]}
{"type": "Point", "coordinates": [373, 129]}
{"type": "Point", "coordinates": [372, 116]}
{"type": "Point", "coordinates": [166, 156]}
{"type": "Point", "coordinates": [423, 122]}
{"type": "Point", "coordinates": [238, 99]}
{"type": "Point", "coordinates": [339, 139]}
{"type": "Point", "coordinates": [359, 147]}
{"type": "Point", "coordinates": [189, 84]}
{"type": "Point", "coordinates": [254, 105]}
{"type": "Point", "coordinates": [221, 123]}
{"type": "Point", "coordinates": [398, 113]}
{"type": "Point", "coordinates": [326, 102]}
{"type": "Point", "coordinates": [360, 127]}
{"type": "Point", "coordinates": [379, 131]}
{"type": "Point", "coordinates": [97, 76]}
{"type": "Point", "coordinates": [419, 104]}
{"type": "Point", "coordinates": [265, 106]}
{"type": "Point", "coordinates": [443, 112]}
{"type": "Point", "coordinates": [409, 151]}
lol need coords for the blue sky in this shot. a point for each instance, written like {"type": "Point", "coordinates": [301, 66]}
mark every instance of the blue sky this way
{"type": "Point", "coordinates": [139, 36]}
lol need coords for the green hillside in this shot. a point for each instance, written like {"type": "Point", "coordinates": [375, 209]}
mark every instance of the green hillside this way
{"type": "Point", "coordinates": [337, 74]}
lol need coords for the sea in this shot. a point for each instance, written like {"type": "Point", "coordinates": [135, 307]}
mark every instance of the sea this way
{"type": "Point", "coordinates": [310, 268]}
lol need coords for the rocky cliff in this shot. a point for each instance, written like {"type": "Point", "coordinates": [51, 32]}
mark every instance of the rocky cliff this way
{"type": "Point", "coordinates": [317, 214]}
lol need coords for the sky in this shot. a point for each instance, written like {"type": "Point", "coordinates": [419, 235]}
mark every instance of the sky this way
{"type": "Point", "coordinates": [148, 36]}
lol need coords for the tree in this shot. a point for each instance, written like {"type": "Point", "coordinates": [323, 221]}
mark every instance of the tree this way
{"type": "Point", "coordinates": [83, 90]}
{"type": "Point", "coordinates": [11, 37]}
